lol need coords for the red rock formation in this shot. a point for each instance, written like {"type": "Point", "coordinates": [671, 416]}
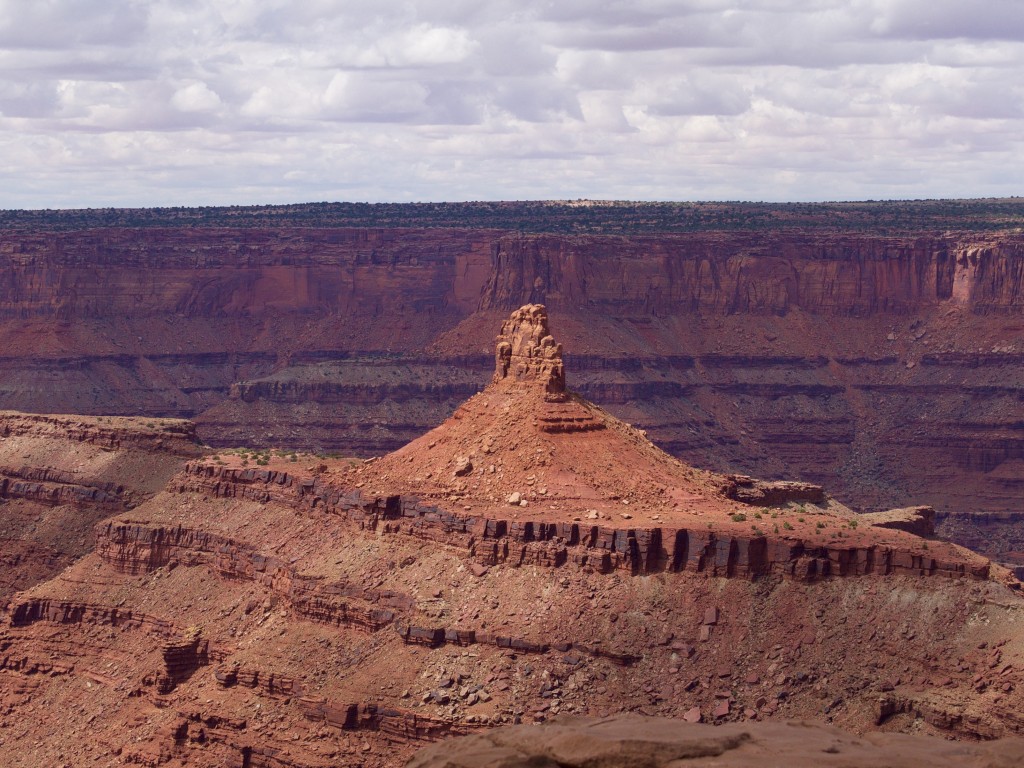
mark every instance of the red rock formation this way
{"type": "Point", "coordinates": [527, 354]}
{"type": "Point", "coordinates": [764, 353]}
{"type": "Point", "coordinates": [763, 273]}
{"type": "Point", "coordinates": [60, 474]}
{"type": "Point", "coordinates": [658, 743]}
{"type": "Point", "coordinates": [176, 671]}
{"type": "Point", "coordinates": [792, 398]}
{"type": "Point", "coordinates": [530, 557]}
{"type": "Point", "coordinates": [548, 542]}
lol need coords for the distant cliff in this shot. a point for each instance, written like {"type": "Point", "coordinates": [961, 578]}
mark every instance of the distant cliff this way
{"type": "Point", "coordinates": [229, 272]}
{"type": "Point", "coordinates": [245, 272]}
{"type": "Point", "coordinates": [732, 273]}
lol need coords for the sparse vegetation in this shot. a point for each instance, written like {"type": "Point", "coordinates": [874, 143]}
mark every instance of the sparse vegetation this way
{"type": "Point", "coordinates": [739, 517]}
{"type": "Point", "coordinates": [562, 216]}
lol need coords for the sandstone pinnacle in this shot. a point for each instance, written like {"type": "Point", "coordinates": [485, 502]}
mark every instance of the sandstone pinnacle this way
{"type": "Point", "coordinates": [526, 352]}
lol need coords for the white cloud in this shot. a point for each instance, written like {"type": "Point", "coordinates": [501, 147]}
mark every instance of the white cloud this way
{"type": "Point", "coordinates": [426, 45]}
{"type": "Point", "coordinates": [195, 97]}
{"type": "Point", "coordinates": [236, 101]}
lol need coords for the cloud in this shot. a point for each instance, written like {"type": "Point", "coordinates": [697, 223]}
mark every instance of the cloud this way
{"type": "Point", "coordinates": [946, 19]}
{"type": "Point", "coordinates": [195, 97]}
{"type": "Point", "coordinates": [369, 97]}
{"type": "Point", "coordinates": [28, 99]}
{"type": "Point", "coordinates": [60, 24]}
{"type": "Point", "coordinates": [243, 101]}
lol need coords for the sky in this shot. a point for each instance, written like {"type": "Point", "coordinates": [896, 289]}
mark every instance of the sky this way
{"type": "Point", "coordinates": [218, 102]}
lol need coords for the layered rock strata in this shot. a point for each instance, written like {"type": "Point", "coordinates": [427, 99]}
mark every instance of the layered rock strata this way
{"type": "Point", "coordinates": [508, 540]}
{"type": "Point", "coordinates": [61, 474]}
{"type": "Point", "coordinates": [531, 557]}
{"type": "Point", "coordinates": [887, 368]}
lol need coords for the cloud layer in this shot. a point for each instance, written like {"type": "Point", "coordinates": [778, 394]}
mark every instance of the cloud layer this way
{"type": "Point", "coordinates": [195, 102]}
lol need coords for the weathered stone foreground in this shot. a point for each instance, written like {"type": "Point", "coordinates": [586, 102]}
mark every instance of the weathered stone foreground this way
{"type": "Point", "coordinates": [630, 741]}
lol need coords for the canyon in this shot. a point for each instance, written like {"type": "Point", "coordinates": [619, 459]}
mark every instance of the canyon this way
{"type": "Point", "coordinates": [529, 558]}
{"type": "Point", "coordinates": [311, 486]}
{"type": "Point", "coordinates": [887, 367]}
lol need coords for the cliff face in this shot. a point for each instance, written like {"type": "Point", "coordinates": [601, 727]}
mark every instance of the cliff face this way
{"type": "Point", "coordinates": [887, 368]}
{"type": "Point", "coordinates": [61, 474]}
{"type": "Point", "coordinates": [115, 273]}
{"type": "Point", "coordinates": [223, 273]}
{"type": "Point", "coordinates": [729, 274]}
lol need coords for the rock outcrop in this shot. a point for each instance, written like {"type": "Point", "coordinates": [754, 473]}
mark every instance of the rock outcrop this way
{"type": "Point", "coordinates": [527, 353]}
{"type": "Point", "coordinates": [59, 475]}
{"type": "Point", "coordinates": [917, 520]}
{"type": "Point", "coordinates": [660, 743]}
{"type": "Point", "coordinates": [555, 539]}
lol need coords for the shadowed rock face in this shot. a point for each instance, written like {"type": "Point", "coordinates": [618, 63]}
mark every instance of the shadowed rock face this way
{"type": "Point", "coordinates": [59, 475]}
{"type": "Point", "coordinates": [628, 741]}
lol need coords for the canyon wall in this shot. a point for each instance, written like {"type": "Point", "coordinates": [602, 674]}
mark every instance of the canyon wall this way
{"type": "Point", "coordinates": [890, 369]}
{"type": "Point", "coordinates": [59, 475]}
{"type": "Point", "coordinates": [734, 273]}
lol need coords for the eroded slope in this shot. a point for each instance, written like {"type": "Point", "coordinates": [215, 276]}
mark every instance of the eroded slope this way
{"type": "Point", "coordinates": [59, 475]}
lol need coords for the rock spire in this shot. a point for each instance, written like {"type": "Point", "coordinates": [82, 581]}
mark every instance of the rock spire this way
{"type": "Point", "coordinates": [527, 353]}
